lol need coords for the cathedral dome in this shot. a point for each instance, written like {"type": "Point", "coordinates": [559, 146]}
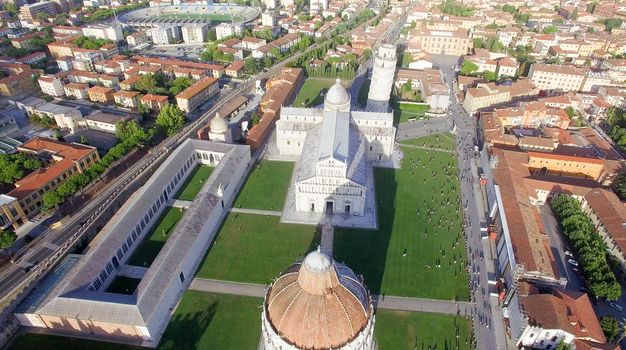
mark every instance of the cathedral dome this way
{"type": "Point", "coordinates": [218, 125]}
{"type": "Point", "coordinates": [337, 97]}
{"type": "Point", "coordinates": [319, 304]}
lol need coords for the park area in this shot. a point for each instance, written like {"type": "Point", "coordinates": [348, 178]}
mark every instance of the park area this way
{"type": "Point", "coordinates": [194, 183]}
{"type": "Point", "coordinates": [443, 141]}
{"type": "Point", "coordinates": [418, 250]}
{"type": "Point", "coordinates": [266, 186]}
{"type": "Point", "coordinates": [312, 92]}
{"type": "Point", "coordinates": [148, 250]}
{"type": "Point", "coordinates": [256, 248]}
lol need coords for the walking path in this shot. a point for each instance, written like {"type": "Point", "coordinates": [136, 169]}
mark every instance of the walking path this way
{"type": "Point", "coordinates": [388, 302]}
{"type": "Point", "coordinates": [427, 148]}
{"type": "Point", "coordinates": [256, 211]}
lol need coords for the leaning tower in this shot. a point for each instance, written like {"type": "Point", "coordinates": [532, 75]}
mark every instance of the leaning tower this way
{"type": "Point", "coordinates": [382, 78]}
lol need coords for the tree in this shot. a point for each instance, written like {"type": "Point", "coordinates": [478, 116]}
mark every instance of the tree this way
{"type": "Point", "coordinates": [131, 133]}
{"type": "Point", "coordinates": [563, 346]}
{"type": "Point", "coordinates": [11, 8]}
{"type": "Point", "coordinates": [490, 76]}
{"type": "Point", "coordinates": [57, 134]}
{"type": "Point", "coordinates": [510, 9]}
{"type": "Point", "coordinates": [619, 186]}
{"type": "Point", "coordinates": [32, 163]}
{"type": "Point", "coordinates": [179, 85]}
{"type": "Point", "coordinates": [570, 111]}
{"type": "Point", "coordinates": [170, 119]}
{"type": "Point", "coordinates": [84, 140]}
{"type": "Point", "coordinates": [574, 15]}
{"type": "Point", "coordinates": [468, 68]}
{"type": "Point", "coordinates": [9, 169]}
{"type": "Point", "coordinates": [550, 29]}
{"type": "Point", "coordinates": [144, 110]}
{"type": "Point", "coordinates": [7, 238]}
{"type": "Point", "coordinates": [210, 35]}
{"type": "Point", "coordinates": [610, 327]}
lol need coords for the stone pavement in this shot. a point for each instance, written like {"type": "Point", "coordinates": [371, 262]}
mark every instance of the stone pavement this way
{"type": "Point", "coordinates": [256, 211]}
{"type": "Point", "coordinates": [448, 307]}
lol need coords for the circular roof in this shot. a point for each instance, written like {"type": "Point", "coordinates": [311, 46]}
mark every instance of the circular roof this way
{"type": "Point", "coordinates": [318, 304]}
{"type": "Point", "coordinates": [218, 125]}
{"type": "Point", "coordinates": [337, 94]}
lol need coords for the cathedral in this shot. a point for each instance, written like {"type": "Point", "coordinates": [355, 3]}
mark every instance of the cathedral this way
{"type": "Point", "coordinates": [337, 147]}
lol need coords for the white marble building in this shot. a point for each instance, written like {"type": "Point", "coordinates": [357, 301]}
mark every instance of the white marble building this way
{"type": "Point", "coordinates": [336, 147]}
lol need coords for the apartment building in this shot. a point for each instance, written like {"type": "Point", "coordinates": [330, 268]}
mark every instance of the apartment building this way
{"type": "Point", "coordinates": [103, 31]}
{"type": "Point", "coordinates": [29, 12]}
{"type": "Point", "coordinates": [61, 160]}
{"type": "Point", "coordinates": [78, 91]}
{"type": "Point", "coordinates": [101, 94]}
{"type": "Point", "coordinates": [11, 212]}
{"type": "Point", "coordinates": [197, 94]}
{"type": "Point", "coordinates": [556, 77]}
{"type": "Point", "coordinates": [440, 41]}
{"type": "Point", "coordinates": [137, 39]}
{"type": "Point", "coordinates": [166, 35]}
{"type": "Point", "coordinates": [51, 85]}
{"type": "Point", "coordinates": [224, 30]}
{"type": "Point", "coordinates": [154, 102]}
{"type": "Point", "coordinates": [194, 33]}
{"type": "Point", "coordinates": [16, 84]}
{"type": "Point", "coordinates": [129, 99]}
{"type": "Point", "coordinates": [490, 95]}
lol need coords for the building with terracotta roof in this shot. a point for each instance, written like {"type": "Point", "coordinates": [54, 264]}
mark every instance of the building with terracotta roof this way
{"type": "Point", "coordinates": [19, 83]}
{"type": "Point", "coordinates": [235, 69]}
{"type": "Point", "coordinates": [79, 91]}
{"type": "Point", "coordinates": [51, 85]}
{"type": "Point", "coordinates": [318, 304]}
{"type": "Point", "coordinates": [126, 98]}
{"type": "Point", "coordinates": [447, 41]}
{"type": "Point", "coordinates": [197, 94]}
{"type": "Point", "coordinates": [61, 160]}
{"type": "Point", "coordinates": [154, 102]}
{"type": "Point", "coordinates": [213, 70]}
{"type": "Point", "coordinates": [485, 96]}
{"type": "Point", "coordinates": [556, 77]}
{"type": "Point", "coordinates": [101, 94]}
{"type": "Point", "coordinates": [555, 316]}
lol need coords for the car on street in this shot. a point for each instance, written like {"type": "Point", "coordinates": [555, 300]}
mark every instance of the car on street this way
{"type": "Point", "coordinates": [568, 253]}
{"type": "Point", "coordinates": [616, 306]}
{"type": "Point", "coordinates": [572, 262]}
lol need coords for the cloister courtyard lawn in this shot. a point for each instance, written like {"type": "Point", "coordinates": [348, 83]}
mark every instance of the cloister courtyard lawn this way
{"type": "Point", "coordinates": [194, 183]}
{"type": "Point", "coordinates": [418, 330]}
{"type": "Point", "coordinates": [310, 94]}
{"type": "Point", "coordinates": [123, 285]}
{"type": "Point", "coordinates": [266, 186]}
{"type": "Point", "coordinates": [414, 253]}
{"type": "Point", "coordinates": [148, 250]}
{"type": "Point", "coordinates": [256, 248]}
{"type": "Point", "coordinates": [442, 141]}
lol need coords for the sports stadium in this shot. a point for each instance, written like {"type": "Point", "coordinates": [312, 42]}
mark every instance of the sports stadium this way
{"type": "Point", "coordinates": [157, 16]}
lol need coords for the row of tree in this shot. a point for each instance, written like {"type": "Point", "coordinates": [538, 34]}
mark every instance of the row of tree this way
{"type": "Point", "coordinates": [159, 84]}
{"type": "Point", "coordinates": [86, 42]}
{"type": "Point", "coordinates": [589, 247]}
{"type": "Point", "coordinates": [616, 119]}
{"type": "Point", "coordinates": [15, 166]}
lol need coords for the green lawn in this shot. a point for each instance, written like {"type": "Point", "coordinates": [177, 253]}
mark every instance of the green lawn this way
{"type": "Point", "coordinates": [30, 341]}
{"type": "Point", "coordinates": [443, 141]}
{"type": "Point", "coordinates": [123, 285]}
{"type": "Point", "coordinates": [417, 330]}
{"type": "Point", "coordinates": [403, 112]}
{"type": "Point", "coordinates": [214, 321]}
{"type": "Point", "coordinates": [194, 183]}
{"type": "Point", "coordinates": [404, 198]}
{"type": "Point", "coordinates": [310, 94]}
{"type": "Point", "coordinates": [363, 92]}
{"type": "Point", "coordinates": [266, 187]}
{"type": "Point", "coordinates": [148, 250]}
{"type": "Point", "coordinates": [256, 248]}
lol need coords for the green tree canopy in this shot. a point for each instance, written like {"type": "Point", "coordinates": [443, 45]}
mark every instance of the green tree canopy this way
{"type": "Point", "coordinates": [7, 238]}
{"type": "Point", "coordinates": [468, 68]}
{"type": "Point", "coordinates": [171, 119]}
{"type": "Point", "coordinates": [610, 327]}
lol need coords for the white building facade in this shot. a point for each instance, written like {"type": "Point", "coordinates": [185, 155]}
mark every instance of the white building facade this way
{"type": "Point", "coordinates": [382, 78]}
{"type": "Point", "coordinates": [194, 33]}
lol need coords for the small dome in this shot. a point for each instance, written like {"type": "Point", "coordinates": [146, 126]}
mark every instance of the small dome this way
{"type": "Point", "coordinates": [337, 96]}
{"type": "Point", "coordinates": [218, 125]}
{"type": "Point", "coordinates": [318, 304]}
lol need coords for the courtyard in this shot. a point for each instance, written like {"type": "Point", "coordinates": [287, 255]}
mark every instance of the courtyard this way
{"type": "Point", "coordinates": [266, 186]}
{"type": "Point", "coordinates": [194, 183]}
{"type": "Point", "coordinates": [150, 247]}
{"type": "Point", "coordinates": [405, 111]}
{"type": "Point", "coordinates": [256, 248]}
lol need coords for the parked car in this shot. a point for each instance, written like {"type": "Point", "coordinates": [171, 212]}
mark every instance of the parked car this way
{"type": "Point", "coordinates": [572, 262]}
{"type": "Point", "coordinates": [616, 306]}
{"type": "Point", "coordinates": [568, 253]}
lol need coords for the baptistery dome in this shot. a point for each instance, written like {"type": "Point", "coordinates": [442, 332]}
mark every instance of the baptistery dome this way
{"type": "Point", "coordinates": [218, 125]}
{"type": "Point", "coordinates": [318, 304]}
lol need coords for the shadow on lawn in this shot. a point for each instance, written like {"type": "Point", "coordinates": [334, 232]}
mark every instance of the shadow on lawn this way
{"type": "Point", "coordinates": [185, 331]}
{"type": "Point", "coordinates": [365, 251]}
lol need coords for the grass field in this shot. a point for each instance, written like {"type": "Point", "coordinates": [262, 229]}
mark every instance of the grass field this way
{"type": "Point", "coordinates": [310, 94]}
{"type": "Point", "coordinates": [123, 285]}
{"type": "Point", "coordinates": [403, 112]}
{"type": "Point", "coordinates": [433, 238]}
{"type": "Point", "coordinates": [266, 187]}
{"type": "Point", "coordinates": [417, 330]}
{"type": "Point", "coordinates": [256, 248]}
{"type": "Point", "coordinates": [214, 321]}
{"type": "Point", "coordinates": [214, 17]}
{"type": "Point", "coordinates": [148, 250]}
{"type": "Point", "coordinates": [442, 141]}
{"type": "Point", "coordinates": [194, 183]}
